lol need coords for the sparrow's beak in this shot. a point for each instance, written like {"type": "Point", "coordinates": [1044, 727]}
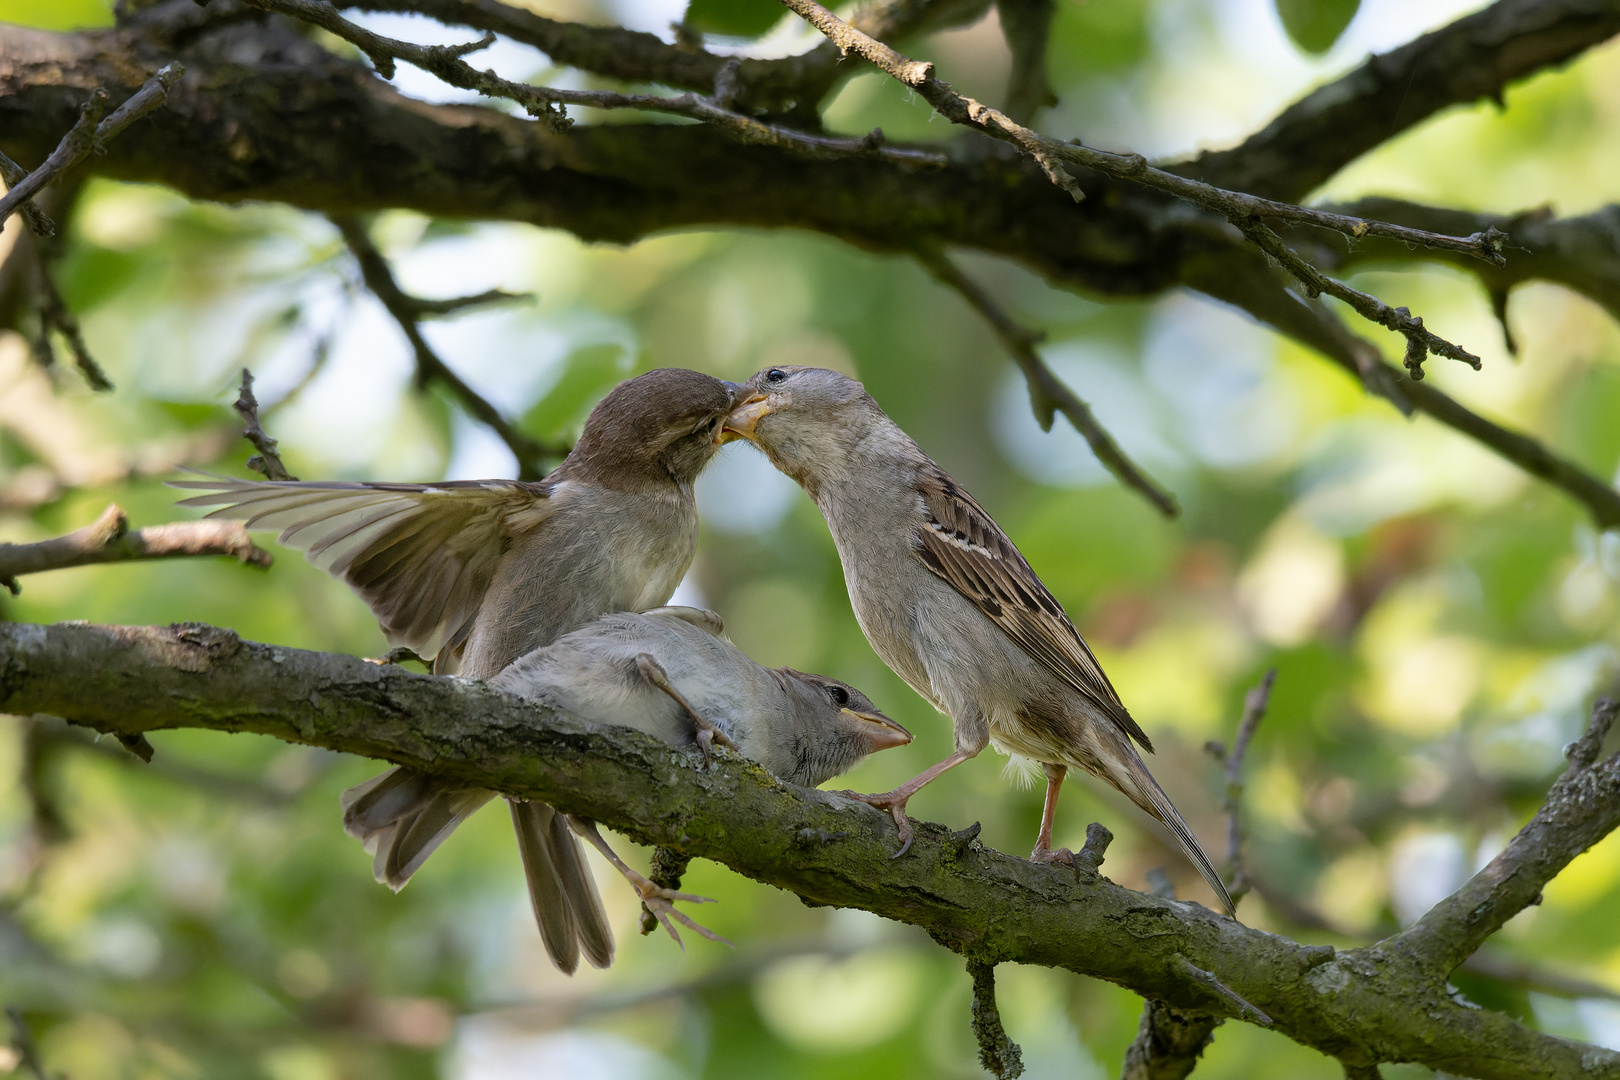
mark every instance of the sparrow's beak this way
{"type": "Point", "coordinates": [878, 730]}
{"type": "Point", "coordinates": [744, 417]}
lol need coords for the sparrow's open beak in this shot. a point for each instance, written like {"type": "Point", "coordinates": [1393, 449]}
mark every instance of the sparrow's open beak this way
{"type": "Point", "coordinates": [744, 417]}
{"type": "Point", "coordinates": [878, 730]}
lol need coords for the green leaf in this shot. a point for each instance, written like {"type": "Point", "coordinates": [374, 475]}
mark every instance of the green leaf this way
{"type": "Point", "coordinates": [587, 374]}
{"type": "Point", "coordinates": [733, 18]}
{"type": "Point", "coordinates": [57, 14]}
{"type": "Point", "coordinates": [1314, 25]}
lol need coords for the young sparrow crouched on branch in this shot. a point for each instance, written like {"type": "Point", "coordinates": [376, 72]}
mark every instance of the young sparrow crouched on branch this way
{"type": "Point", "coordinates": [477, 573]}
{"type": "Point", "coordinates": [949, 603]}
{"type": "Point", "coordinates": [670, 674]}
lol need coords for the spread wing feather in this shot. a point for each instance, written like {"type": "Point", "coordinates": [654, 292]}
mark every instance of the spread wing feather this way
{"type": "Point", "coordinates": [420, 555]}
{"type": "Point", "coordinates": [962, 544]}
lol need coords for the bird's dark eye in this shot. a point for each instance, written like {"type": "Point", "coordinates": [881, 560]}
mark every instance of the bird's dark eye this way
{"type": "Point", "coordinates": [775, 375]}
{"type": "Point", "coordinates": [840, 696]}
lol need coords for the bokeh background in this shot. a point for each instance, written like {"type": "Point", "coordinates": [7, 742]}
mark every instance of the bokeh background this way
{"type": "Point", "coordinates": [1440, 623]}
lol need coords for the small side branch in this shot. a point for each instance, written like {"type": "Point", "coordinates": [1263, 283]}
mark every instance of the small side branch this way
{"type": "Point", "coordinates": [88, 133]}
{"type": "Point", "coordinates": [110, 540]}
{"type": "Point", "coordinates": [39, 222]}
{"type": "Point", "coordinates": [999, 1055]}
{"type": "Point", "coordinates": [267, 461]}
{"type": "Point", "coordinates": [1254, 710]}
{"type": "Point", "coordinates": [1168, 1043]}
{"type": "Point", "coordinates": [407, 311]}
{"type": "Point", "coordinates": [1582, 807]}
{"type": "Point", "coordinates": [1208, 980]}
{"type": "Point", "coordinates": [1047, 393]}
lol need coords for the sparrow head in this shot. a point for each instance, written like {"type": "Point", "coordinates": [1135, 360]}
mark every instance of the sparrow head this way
{"type": "Point", "coordinates": [662, 425]}
{"type": "Point", "coordinates": [835, 727]}
{"type": "Point", "coordinates": [802, 417]}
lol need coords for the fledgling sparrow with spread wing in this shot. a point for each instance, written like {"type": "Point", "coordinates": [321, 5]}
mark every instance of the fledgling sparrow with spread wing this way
{"type": "Point", "coordinates": [949, 603]}
{"type": "Point", "coordinates": [670, 674]}
{"type": "Point", "coordinates": [477, 573]}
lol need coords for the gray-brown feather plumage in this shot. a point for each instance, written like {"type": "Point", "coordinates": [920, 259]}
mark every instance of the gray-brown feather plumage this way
{"type": "Point", "coordinates": [947, 600]}
{"type": "Point", "coordinates": [477, 573]}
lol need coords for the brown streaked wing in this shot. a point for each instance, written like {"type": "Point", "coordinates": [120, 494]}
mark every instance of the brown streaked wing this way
{"type": "Point", "coordinates": [963, 545]}
{"type": "Point", "coordinates": [420, 555]}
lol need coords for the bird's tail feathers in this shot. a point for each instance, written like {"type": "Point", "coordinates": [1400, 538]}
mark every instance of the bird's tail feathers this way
{"type": "Point", "coordinates": [402, 816]}
{"type": "Point", "coordinates": [561, 890]}
{"type": "Point", "coordinates": [1151, 797]}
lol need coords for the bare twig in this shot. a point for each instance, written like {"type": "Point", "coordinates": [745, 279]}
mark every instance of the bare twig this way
{"type": "Point", "coordinates": [54, 314]}
{"type": "Point", "coordinates": [1047, 393]}
{"type": "Point", "coordinates": [1254, 710]}
{"type": "Point", "coordinates": [1246, 212]}
{"type": "Point", "coordinates": [1168, 1043]}
{"type": "Point", "coordinates": [267, 461]}
{"type": "Point", "coordinates": [998, 1054]}
{"type": "Point", "coordinates": [110, 540]}
{"type": "Point", "coordinates": [530, 452]}
{"type": "Point", "coordinates": [39, 222]}
{"type": "Point", "coordinates": [1098, 837]}
{"type": "Point", "coordinates": [89, 132]}
{"type": "Point", "coordinates": [548, 104]}
{"type": "Point", "coordinates": [453, 305]}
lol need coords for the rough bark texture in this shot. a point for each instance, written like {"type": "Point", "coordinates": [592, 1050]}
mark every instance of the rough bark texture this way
{"type": "Point", "coordinates": [1379, 1003]}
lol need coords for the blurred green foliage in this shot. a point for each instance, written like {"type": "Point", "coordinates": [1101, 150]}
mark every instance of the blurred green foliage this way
{"type": "Point", "coordinates": [1314, 25]}
{"type": "Point", "coordinates": [1439, 622]}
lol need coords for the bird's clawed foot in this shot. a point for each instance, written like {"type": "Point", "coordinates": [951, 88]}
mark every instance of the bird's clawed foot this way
{"type": "Point", "coordinates": [660, 902]}
{"type": "Point", "coordinates": [1056, 855]}
{"type": "Point", "coordinates": [707, 734]}
{"type": "Point", "coordinates": [895, 803]}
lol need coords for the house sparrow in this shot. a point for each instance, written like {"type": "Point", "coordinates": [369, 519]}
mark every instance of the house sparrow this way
{"type": "Point", "coordinates": [477, 573]}
{"type": "Point", "coordinates": [670, 674]}
{"type": "Point", "coordinates": [949, 603]}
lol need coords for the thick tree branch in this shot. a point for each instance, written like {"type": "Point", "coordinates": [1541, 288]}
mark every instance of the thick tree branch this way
{"type": "Point", "coordinates": [1047, 393]}
{"type": "Point", "coordinates": [532, 455]}
{"type": "Point", "coordinates": [109, 540]}
{"type": "Point", "coordinates": [1476, 57]}
{"type": "Point", "coordinates": [1365, 1005]}
{"type": "Point", "coordinates": [1582, 808]}
{"type": "Point", "coordinates": [547, 104]}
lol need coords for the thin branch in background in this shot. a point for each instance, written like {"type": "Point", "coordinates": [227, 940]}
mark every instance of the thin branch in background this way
{"type": "Point", "coordinates": [1168, 1043]}
{"type": "Point", "coordinates": [1047, 393]}
{"type": "Point", "coordinates": [22, 1041]}
{"type": "Point", "coordinates": [54, 314]}
{"type": "Point", "coordinates": [454, 305]}
{"type": "Point", "coordinates": [1246, 212]}
{"type": "Point", "coordinates": [110, 540]}
{"type": "Point", "coordinates": [39, 222]}
{"type": "Point", "coordinates": [89, 132]}
{"type": "Point", "coordinates": [998, 1054]}
{"type": "Point", "coordinates": [531, 453]}
{"type": "Point", "coordinates": [1254, 710]}
{"type": "Point", "coordinates": [267, 461]}
{"type": "Point", "coordinates": [548, 104]}
{"type": "Point", "coordinates": [1027, 25]}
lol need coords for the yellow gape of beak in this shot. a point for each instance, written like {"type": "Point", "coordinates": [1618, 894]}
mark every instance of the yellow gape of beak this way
{"type": "Point", "coordinates": [879, 731]}
{"type": "Point", "coordinates": [741, 422]}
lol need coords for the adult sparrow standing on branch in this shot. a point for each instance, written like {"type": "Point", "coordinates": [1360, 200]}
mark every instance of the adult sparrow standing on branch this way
{"type": "Point", "coordinates": [949, 603]}
{"type": "Point", "coordinates": [476, 573]}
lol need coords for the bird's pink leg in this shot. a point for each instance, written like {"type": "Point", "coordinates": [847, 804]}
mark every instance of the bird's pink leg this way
{"type": "Point", "coordinates": [1043, 840]}
{"type": "Point", "coordinates": [707, 733]}
{"type": "Point", "coordinates": [659, 900]}
{"type": "Point", "coordinates": [895, 801]}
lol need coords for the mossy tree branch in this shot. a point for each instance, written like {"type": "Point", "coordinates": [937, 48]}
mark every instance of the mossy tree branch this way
{"type": "Point", "coordinates": [1384, 1002]}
